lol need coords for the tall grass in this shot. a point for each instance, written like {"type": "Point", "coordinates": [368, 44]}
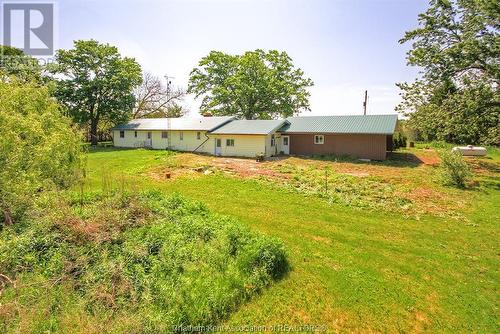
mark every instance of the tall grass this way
{"type": "Point", "coordinates": [158, 261]}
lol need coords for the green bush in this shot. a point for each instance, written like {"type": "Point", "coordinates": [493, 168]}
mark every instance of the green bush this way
{"type": "Point", "coordinates": [38, 148]}
{"type": "Point", "coordinates": [161, 259]}
{"type": "Point", "coordinates": [454, 169]}
{"type": "Point", "coordinates": [398, 141]}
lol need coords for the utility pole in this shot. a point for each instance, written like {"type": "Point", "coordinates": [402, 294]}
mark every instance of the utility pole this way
{"type": "Point", "coordinates": [169, 132]}
{"type": "Point", "coordinates": [168, 84]}
{"type": "Point", "coordinates": [365, 102]}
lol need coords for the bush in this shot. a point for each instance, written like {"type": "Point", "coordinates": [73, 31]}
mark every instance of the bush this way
{"type": "Point", "coordinates": [398, 141]}
{"type": "Point", "coordinates": [455, 171]}
{"type": "Point", "coordinates": [38, 148]}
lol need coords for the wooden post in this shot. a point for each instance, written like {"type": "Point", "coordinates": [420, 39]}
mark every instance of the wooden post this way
{"type": "Point", "coordinates": [326, 181]}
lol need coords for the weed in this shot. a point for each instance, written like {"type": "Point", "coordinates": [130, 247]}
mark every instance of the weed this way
{"type": "Point", "coordinates": [454, 169]}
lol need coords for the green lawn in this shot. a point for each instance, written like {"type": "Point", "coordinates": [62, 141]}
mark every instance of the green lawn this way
{"type": "Point", "coordinates": [352, 269]}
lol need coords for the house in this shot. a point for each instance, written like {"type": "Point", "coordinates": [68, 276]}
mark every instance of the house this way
{"type": "Point", "coordinates": [248, 138]}
{"type": "Point", "coordinates": [363, 136]}
{"type": "Point", "coordinates": [368, 137]}
{"type": "Point", "coordinates": [180, 134]}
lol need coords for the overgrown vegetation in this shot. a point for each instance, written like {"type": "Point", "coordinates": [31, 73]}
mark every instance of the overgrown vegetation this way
{"type": "Point", "coordinates": [455, 171]}
{"type": "Point", "coordinates": [38, 148]}
{"type": "Point", "coordinates": [141, 263]}
{"type": "Point", "coordinates": [349, 190]}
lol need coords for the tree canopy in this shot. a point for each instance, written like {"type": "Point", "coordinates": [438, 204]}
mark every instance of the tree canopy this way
{"type": "Point", "coordinates": [39, 150]}
{"type": "Point", "coordinates": [13, 61]}
{"type": "Point", "coordinates": [456, 99]}
{"type": "Point", "coordinates": [255, 85]}
{"type": "Point", "coordinates": [96, 84]}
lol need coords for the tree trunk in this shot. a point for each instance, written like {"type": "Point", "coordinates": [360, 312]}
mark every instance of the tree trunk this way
{"type": "Point", "coordinates": [7, 216]}
{"type": "Point", "coordinates": [93, 131]}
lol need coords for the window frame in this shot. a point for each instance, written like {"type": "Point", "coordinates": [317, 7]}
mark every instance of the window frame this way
{"type": "Point", "coordinates": [198, 135]}
{"type": "Point", "coordinates": [181, 135]}
{"type": "Point", "coordinates": [273, 141]}
{"type": "Point", "coordinates": [229, 142]}
{"type": "Point", "coordinates": [319, 142]}
{"type": "Point", "coordinates": [135, 134]}
{"type": "Point", "coordinates": [122, 134]}
{"type": "Point", "coordinates": [164, 135]}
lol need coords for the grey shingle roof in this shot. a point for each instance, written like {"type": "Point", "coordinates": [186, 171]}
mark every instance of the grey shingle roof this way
{"type": "Point", "coordinates": [359, 124]}
{"type": "Point", "coordinates": [199, 123]}
{"type": "Point", "coordinates": [250, 127]}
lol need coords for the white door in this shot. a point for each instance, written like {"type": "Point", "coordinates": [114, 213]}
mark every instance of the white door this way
{"type": "Point", "coordinates": [218, 146]}
{"type": "Point", "coordinates": [149, 141]}
{"type": "Point", "coordinates": [285, 144]}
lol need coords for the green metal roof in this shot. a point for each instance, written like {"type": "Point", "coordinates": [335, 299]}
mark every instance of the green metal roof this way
{"type": "Point", "coordinates": [360, 124]}
{"type": "Point", "coordinates": [250, 127]}
{"type": "Point", "coordinates": [200, 123]}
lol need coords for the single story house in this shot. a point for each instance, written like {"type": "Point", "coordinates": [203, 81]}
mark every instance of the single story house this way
{"type": "Point", "coordinates": [179, 134]}
{"type": "Point", "coordinates": [365, 136]}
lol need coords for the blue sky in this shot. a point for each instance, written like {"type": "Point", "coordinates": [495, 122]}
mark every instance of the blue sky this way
{"type": "Point", "coordinates": [345, 46]}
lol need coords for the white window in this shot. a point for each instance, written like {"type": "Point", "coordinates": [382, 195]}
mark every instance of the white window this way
{"type": "Point", "coordinates": [198, 135]}
{"type": "Point", "coordinates": [181, 135]}
{"type": "Point", "coordinates": [135, 134]}
{"type": "Point", "coordinates": [164, 134]}
{"type": "Point", "coordinates": [149, 135]}
{"type": "Point", "coordinates": [285, 141]}
{"type": "Point", "coordinates": [229, 142]}
{"type": "Point", "coordinates": [122, 134]}
{"type": "Point", "coordinates": [319, 139]}
{"type": "Point", "coordinates": [273, 141]}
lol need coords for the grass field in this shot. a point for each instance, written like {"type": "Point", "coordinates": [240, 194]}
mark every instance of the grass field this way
{"type": "Point", "coordinates": [355, 267]}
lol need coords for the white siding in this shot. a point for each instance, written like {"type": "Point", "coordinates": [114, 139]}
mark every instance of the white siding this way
{"type": "Point", "coordinates": [244, 145]}
{"type": "Point", "coordinates": [189, 142]}
{"type": "Point", "coordinates": [273, 150]}
{"type": "Point", "coordinates": [129, 140]}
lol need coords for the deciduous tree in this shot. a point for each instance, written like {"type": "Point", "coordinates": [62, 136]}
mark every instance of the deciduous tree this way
{"type": "Point", "coordinates": [96, 83]}
{"type": "Point", "coordinates": [255, 85]}
{"type": "Point", "coordinates": [456, 99]}
{"type": "Point", "coordinates": [155, 99]}
{"type": "Point", "coordinates": [14, 62]}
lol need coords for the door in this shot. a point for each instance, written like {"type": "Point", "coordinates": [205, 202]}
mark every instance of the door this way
{"type": "Point", "coordinates": [218, 146]}
{"type": "Point", "coordinates": [149, 141]}
{"type": "Point", "coordinates": [285, 144]}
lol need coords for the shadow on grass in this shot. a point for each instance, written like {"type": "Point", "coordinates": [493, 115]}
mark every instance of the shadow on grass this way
{"type": "Point", "coordinates": [92, 149]}
{"type": "Point", "coordinates": [394, 159]}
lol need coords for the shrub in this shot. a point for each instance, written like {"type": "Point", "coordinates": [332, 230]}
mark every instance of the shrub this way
{"type": "Point", "coordinates": [38, 148]}
{"type": "Point", "coordinates": [455, 171]}
{"type": "Point", "coordinates": [398, 141]}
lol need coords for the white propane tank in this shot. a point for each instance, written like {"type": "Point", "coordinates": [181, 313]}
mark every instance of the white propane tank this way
{"type": "Point", "coordinates": [470, 150]}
